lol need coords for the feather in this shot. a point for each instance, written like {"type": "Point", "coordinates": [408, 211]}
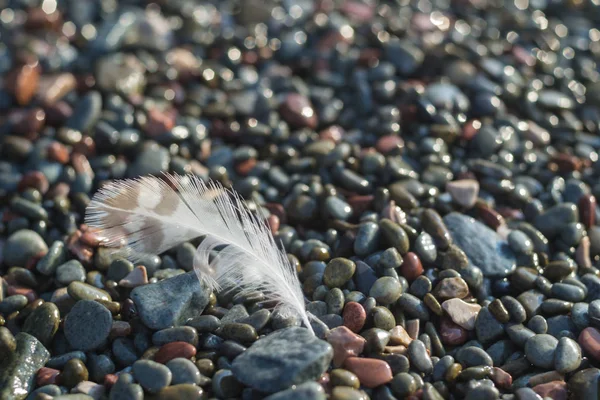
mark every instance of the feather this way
{"type": "Point", "coordinates": [152, 215]}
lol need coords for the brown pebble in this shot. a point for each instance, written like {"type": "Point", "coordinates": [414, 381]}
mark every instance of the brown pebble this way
{"type": "Point", "coordinates": [360, 204]}
{"type": "Point", "coordinates": [297, 111]}
{"type": "Point", "coordinates": [411, 268]}
{"type": "Point", "coordinates": [398, 335]}
{"type": "Point", "coordinates": [273, 223]}
{"type": "Point", "coordinates": [461, 312]}
{"type": "Point", "coordinates": [464, 192]}
{"type": "Point", "coordinates": [135, 278]}
{"type": "Point", "coordinates": [36, 180]}
{"type": "Point", "coordinates": [565, 163]}
{"type": "Point", "coordinates": [412, 328]}
{"type": "Point", "coordinates": [345, 344]}
{"type": "Point", "coordinates": [23, 82]}
{"type": "Point", "coordinates": [556, 390]}
{"type": "Point", "coordinates": [173, 350]}
{"type": "Point", "coordinates": [501, 378]}
{"type": "Point", "coordinates": [58, 152]}
{"type": "Point", "coordinates": [489, 216]}
{"type": "Point", "coordinates": [587, 210]}
{"type": "Point", "coordinates": [52, 88]}
{"type": "Point", "coordinates": [450, 288]}
{"type": "Point", "coordinates": [47, 376]}
{"type": "Point", "coordinates": [545, 377]}
{"type": "Point", "coordinates": [370, 371]}
{"type": "Point", "coordinates": [354, 316]}
{"type": "Point", "coordinates": [390, 144]}
{"type": "Point", "coordinates": [452, 334]}
{"type": "Point", "coordinates": [589, 340]}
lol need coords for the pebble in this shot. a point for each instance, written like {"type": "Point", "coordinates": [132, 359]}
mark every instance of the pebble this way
{"type": "Point", "coordinates": [464, 192]}
{"type": "Point", "coordinates": [540, 350]}
{"type": "Point", "coordinates": [181, 391]}
{"type": "Point", "coordinates": [73, 373]}
{"type": "Point", "coordinates": [568, 355]}
{"type": "Point", "coordinates": [338, 271]}
{"type": "Point", "coordinates": [70, 271]}
{"type": "Point", "coordinates": [287, 357]}
{"type": "Point", "coordinates": [417, 354]}
{"type": "Point", "coordinates": [184, 294]}
{"type": "Point", "coordinates": [151, 375]}
{"type": "Point", "coordinates": [487, 328]}
{"type": "Point", "coordinates": [386, 290]}
{"type": "Point", "coordinates": [169, 351]}
{"type": "Point", "coordinates": [23, 246]}
{"type": "Point", "coordinates": [43, 322]}
{"type": "Point", "coordinates": [354, 316]}
{"type": "Point", "coordinates": [483, 247]}
{"type": "Point", "coordinates": [87, 325]}
{"type": "Point", "coordinates": [462, 313]}
{"type": "Point", "coordinates": [370, 372]}
{"type": "Point", "coordinates": [450, 288]}
{"type": "Point", "coordinates": [304, 391]}
{"type": "Point", "coordinates": [345, 344]}
{"type": "Point", "coordinates": [17, 375]}
{"type": "Point", "coordinates": [82, 291]}
{"type": "Point", "coordinates": [551, 222]}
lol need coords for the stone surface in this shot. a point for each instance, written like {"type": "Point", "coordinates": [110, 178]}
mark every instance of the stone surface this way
{"type": "Point", "coordinates": [170, 302]}
{"type": "Point", "coordinates": [462, 313]}
{"type": "Point", "coordinates": [22, 246]}
{"type": "Point", "coordinates": [18, 369]}
{"type": "Point", "coordinates": [371, 372]}
{"type": "Point", "coordinates": [464, 192]}
{"type": "Point", "coordinates": [87, 325]}
{"type": "Point", "coordinates": [540, 350]}
{"type": "Point", "coordinates": [484, 247]}
{"type": "Point", "coordinates": [284, 358]}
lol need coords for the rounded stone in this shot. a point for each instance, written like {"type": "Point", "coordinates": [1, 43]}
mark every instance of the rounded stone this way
{"type": "Point", "coordinates": [386, 290]}
{"type": "Point", "coordinates": [151, 375]}
{"type": "Point", "coordinates": [73, 372]}
{"type": "Point", "coordinates": [43, 322]}
{"type": "Point", "coordinates": [568, 355]}
{"type": "Point", "coordinates": [354, 316]}
{"type": "Point", "coordinates": [22, 246]}
{"type": "Point", "coordinates": [87, 325]}
{"type": "Point", "coordinates": [338, 271]}
{"type": "Point", "coordinates": [183, 371]}
{"type": "Point", "coordinates": [540, 350]}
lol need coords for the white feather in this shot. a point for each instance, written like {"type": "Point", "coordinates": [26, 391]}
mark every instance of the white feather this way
{"type": "Point", "coordinates": [152, 215]}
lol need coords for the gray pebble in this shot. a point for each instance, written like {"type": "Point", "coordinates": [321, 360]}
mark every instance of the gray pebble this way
{"type": "Point", "coordinates": [540, 350]}
{"type": "Point", "coordinates": [87, 325]}
{"type": "Point", "coordinates": [151, 375]}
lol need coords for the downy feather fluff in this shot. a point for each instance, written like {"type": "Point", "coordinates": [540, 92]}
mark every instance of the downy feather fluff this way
{"type": "Point", "coordinates": [152, 215]}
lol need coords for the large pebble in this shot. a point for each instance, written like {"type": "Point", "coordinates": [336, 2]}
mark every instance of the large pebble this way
{"type": "Point", "coordinates": [22, 246]}
{"type": "Point", "coordinates": [170, 302]}
{"type": "Point", "coordinates": [43, 322]}
{"type": "Point", "coordinates": [370, 372]}
{"type": "Point", "coordinates": [287, 357]}
{"type": "Point", "coordinates": [568, 355]}
{"type": "Point", "coordinates": [462, 313]}
{"type": "Point", "coordinates": [484, 247]}
{"type": "Point", "coordinates": [18, 368]}
{"type": "Point", "coordinates": [87, 325]}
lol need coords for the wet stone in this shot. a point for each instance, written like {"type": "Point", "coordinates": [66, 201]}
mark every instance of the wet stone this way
{"type": "Point", "coordinates": [386, 290]}
{"type": "Point", "coordinates": [568, 355]}
{"type": "Point", "coordinates": [462, 313]}
{"type": "Point", "coordinates": [472, 356]}
{"type": "Point", "coordinates": [417, 354]}
{"type": "Point", "coordinates": [286, 357]}
{"type": "Point", "coordinates": [449, 288]}
{"type": "Point", "coordinates": [338, 271]}
{"type": "Point", "coordinates": [18, 368]}
{"type": "Point", "coordinates": [43, 322]}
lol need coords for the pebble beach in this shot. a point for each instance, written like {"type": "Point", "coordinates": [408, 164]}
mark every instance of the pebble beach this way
{"type": "Point", "coordinates": [430, 168]}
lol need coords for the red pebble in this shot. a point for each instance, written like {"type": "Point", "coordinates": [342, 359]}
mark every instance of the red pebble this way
{"type": "Point", "coordinates": [587, 210]}
{"type": "Point", "coordinates": [173, 350]}
{"type": "Point", "coordinates": [451, 333]}
{"type": "Point", "coordinates": [411, 268]}
{"type": "Point", "coordinates": [370, 371]}
{"type": "Point", "coordinates": [556, 390]}
{"type": "Point", "coordinates": [354, 316]}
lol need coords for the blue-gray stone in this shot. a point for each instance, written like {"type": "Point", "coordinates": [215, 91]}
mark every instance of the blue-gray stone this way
{"type": "Point", "coordinates": [287, 357]}
{"type": "Point", "coordinates": [484, 247]}
{"type": "Point", "coordinates": [71, 271]}
{"type": "Point", "coordinates": [151, 375]}
{"type": "Point", "coordinates": [184, 371]}
{"type": "Point", "coordinates": [22, 246]}
{"type": "Point", "coordinates": [87, 325]}
{"type": "Point", "coordinates": [150, 161]}
{"type": "Point", "coordinates": [305, 391]}
{"type": "Point", "coordinates": [18, 368]}
{"type": "Point", "coordinates": [170, 302]}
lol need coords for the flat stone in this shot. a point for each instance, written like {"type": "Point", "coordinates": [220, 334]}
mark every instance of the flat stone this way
{"type": "Point", "coordinates": [484, 247]}
{"type": "Point", "coordinates": [345, 344]}
{"type": "Point", "coordinates": [462, 313]}
{"type": "Point", "coordinates": [286, 357]}
{"type": "Point", "coordinates": [450, 288]}
{"type": "Point", "coordinates": [171, 301]}
{"type": "Point", "coordinates": [88, 325]}
{"type": "Point", "coordinates": [464, 192]}
{"type": "Point", "coordinates": [18, 369]}
{"type": "Point", "coordinates": [371, 372]}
